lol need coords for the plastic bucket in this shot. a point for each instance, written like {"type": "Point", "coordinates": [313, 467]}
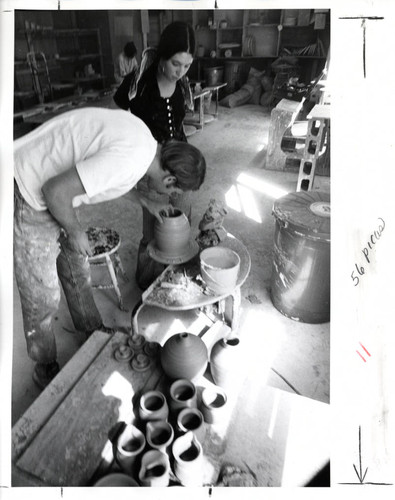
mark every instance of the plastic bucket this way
{"type": "Point", "coordinates": [213, 75]}
{"type": "Point", "coordinates": [300, 283]}
{"type": "Point", "coordinates": [219, 267]}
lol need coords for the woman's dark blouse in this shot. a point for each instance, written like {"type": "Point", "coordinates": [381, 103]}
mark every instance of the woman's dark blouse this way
{"type": "Point", "coordinates": [163, 116]}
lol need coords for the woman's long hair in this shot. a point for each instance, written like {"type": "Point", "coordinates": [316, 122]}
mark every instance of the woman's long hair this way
{"type": "Point", "coordinates": [176, 37]}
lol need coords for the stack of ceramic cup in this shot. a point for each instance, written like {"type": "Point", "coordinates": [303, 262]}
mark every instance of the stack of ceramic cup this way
{"type": "Point", "coordinates": [165, 442]}
{"type": "Point", "coordinates": [168, 433]}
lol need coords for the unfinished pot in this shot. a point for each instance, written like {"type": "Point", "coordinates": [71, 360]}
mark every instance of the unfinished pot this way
{"type": "Point", "coordinates": [159, 434]}
{"type": "Point", "coordinates": [191, 419]}
{"type": "Point", "coordinates": [184, 355]}
{"type": "Point", "coordinates": [172, 235]}
{"type": "Point", "coordinates": [182, 394]}
{"type": "Point", "coordinates": [214, 405]}
{"type": "Point", "coordinates": [155, 469]}
{"type": "Point", "coordinates": [127, 448]}
{"type": "Point", "coordinates": [116, 479]}
{"type": "Point", "coordinates": [153, 406]}
{"type": "Point", "coordinates": [219, 267]}
{"type": "Point", "coordinates": [225, 361]}
{"type": "Point", "coordinates": [188, 460]}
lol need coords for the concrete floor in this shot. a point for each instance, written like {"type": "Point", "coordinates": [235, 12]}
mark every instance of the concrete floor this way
{"type": "Point", "coordinates": [284, 354]}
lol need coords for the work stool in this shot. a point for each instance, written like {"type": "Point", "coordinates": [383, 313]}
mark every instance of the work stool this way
{"type": "Point", "coordinates": [105, 244]}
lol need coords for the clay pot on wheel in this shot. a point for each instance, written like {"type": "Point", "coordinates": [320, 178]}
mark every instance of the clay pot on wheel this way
{"type": "Point", "coordinates": [172, 235]}
{"type": "Point", "coordinates": [184, 355]}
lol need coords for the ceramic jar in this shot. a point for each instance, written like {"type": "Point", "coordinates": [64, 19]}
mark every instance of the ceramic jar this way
{"type": "Point", "coordinates": [159, 434]}
{"type": "Point", "coordinates": [153, 406]}
{"type": "Point", "coordinates": [188, 460]}
{"type": "Point", "coordinates": [127, 448]}
{"type": "Point", "coordinates": [214, 405]}
{"type": "Point", "coordinates": [191, 419]}
{"type": "Point", "coordinates": [184, 355]}
{"type": "Point", "coordinates": [182, 394]}
{"type": "Point", "coordinates": [172, 235]}
{"type": "Point", "coordinates": [224, 362]}
{"type": "Point", "coordinates": [155, 469]}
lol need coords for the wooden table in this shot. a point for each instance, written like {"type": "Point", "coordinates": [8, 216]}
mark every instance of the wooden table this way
{"type": "Point", "coordinates": [62, 439]}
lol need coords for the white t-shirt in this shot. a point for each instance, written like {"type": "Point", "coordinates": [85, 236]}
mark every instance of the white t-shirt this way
{"type": "Point", "coordinates": [110, 148]}
{"type": "Point", "coordinates": [125, 66]}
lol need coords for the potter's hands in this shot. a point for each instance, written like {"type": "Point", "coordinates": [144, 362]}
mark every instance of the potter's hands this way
{"type": "Point", "coordinates": [158, 209]}
{"type": "Point", "coordinates": [78, 241]}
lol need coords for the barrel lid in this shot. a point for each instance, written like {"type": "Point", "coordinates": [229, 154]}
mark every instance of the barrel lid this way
{"type": "Point", "coordinates": [306, 212]}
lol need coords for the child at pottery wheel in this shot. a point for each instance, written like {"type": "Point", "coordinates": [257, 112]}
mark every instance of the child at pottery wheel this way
{"type": "Point", "coordinates": [84, 156]}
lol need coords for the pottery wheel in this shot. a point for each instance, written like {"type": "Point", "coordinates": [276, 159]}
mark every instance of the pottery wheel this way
{"type": "Point", "coordinates": [187, 254]}
{"type": "Point", "coordinates": [196, 295]}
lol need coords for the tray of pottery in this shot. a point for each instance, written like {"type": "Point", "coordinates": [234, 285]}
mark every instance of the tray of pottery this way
{"type": "Point", "coordinates": [180, 287]}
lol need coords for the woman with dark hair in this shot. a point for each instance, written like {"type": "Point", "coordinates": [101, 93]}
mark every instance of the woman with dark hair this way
{"type": "Point", "coordinates": [161, 100]}
{"type": "Point", "coordinates": [162, 92]}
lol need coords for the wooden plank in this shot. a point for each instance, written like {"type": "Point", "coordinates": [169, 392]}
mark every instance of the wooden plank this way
{"type": "Point", "coordinates": [26, 428]}
{"type": "Point", "coordinates": [68, 449]}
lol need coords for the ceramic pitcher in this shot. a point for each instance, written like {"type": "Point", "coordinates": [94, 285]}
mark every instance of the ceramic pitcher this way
{"type": "Point", "coordinates": [188, 460]}
{"type": "Point", "coordinates": [159, 434]}
{"type": "Point", "coordinates": [128, 444]}
{"type": "Point", "coordinates": [155, 469]}
{"type": "Point", "coordinates": [225, 362]}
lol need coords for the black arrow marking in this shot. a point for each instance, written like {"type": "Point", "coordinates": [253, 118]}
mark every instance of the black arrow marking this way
{"type": "Point", "coordinates": [359, 474]}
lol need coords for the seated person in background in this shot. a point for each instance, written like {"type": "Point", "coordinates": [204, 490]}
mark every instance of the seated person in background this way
{"type": "Point", "coordinates": [84, 156]}
{"type": "Point", "coordinates": [126, 62]}
{"type": "Point", "coordinates": [161, 99]}
{"type": "Point", "coordinates": [126, 75]}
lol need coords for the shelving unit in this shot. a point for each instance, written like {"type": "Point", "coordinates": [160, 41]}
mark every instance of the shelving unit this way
{"type": "Point", "coordinates": [80, 63]}
{"type": "Point", "coordinates": [257, 37]}
{"type": "Point", "coordinates": [51, 63]}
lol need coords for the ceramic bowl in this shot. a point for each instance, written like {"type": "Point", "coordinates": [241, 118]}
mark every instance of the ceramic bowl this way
{"type": "Point", "coordinates": [116, 479]}
{"type": "Point", "coordinates": [219, 267]}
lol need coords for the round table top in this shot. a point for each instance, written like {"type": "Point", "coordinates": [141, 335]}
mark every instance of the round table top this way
{"type": "Point", "coordinates": [195, 295]}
